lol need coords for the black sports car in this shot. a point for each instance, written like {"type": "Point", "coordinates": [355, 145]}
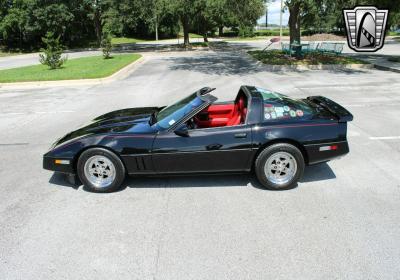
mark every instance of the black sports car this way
{"type": "Point", "coordinates": [260, 130]}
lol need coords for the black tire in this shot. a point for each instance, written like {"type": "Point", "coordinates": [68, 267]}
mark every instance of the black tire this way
{"type": "Point", "coordinates": [272, 150]}
{"type": "Point", "coordinates": [113, 158]}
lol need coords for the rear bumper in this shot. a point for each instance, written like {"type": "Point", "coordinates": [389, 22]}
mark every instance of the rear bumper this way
{"type": "Point", "coordinates": [318, 153]}
{"type": "Point", "coordinates": [66, 165]}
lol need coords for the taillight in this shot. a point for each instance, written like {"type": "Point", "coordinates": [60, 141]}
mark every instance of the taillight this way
{"type": "Point", "coordinates": [328, 148]}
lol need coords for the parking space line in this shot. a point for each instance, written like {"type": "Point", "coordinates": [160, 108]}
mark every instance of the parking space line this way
{"type": "Point", "coordinates": [385, 138]}
{"type": "Point", "coordinates": [11, 113]}
{"type": "Point", "coordinates": [353, 105]}
{"type": "Point", "coordinates": [37, 112]}
{"type": "Point", "coordinates": [13, 144]}
{"type": "Point", "coordinates": [52, 112]}
{"type": "Point", "coordinates": [371, 105]}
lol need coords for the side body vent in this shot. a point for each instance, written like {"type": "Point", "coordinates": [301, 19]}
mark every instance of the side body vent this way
{"type": "Point", "coordinates": [138, 164]}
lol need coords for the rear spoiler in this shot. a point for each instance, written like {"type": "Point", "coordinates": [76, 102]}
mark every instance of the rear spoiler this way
{"type": "Point", "coordinates": [338, 111]}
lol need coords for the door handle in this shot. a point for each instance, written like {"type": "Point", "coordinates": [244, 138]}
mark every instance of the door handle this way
{"type": "Point", "coordinates": [213, 147]}
{"type": "Point", "coordinates": [240, 135]}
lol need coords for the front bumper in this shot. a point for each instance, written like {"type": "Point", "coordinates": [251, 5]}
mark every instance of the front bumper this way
{"type": "Point", "coordinates": [63, 165]}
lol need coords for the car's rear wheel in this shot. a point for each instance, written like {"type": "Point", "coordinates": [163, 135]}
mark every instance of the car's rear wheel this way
{"type": "Point", "coordinates": [279, 166]}
{"type": "Point", "coordinates": [100, 170]}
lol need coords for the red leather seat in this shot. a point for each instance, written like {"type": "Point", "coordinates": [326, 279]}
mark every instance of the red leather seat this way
{"type": "Point", "coordinates": [224, 114]}
{"type": "Point", "coordinates": [238, 112]}
{"type": "Point", "coordinates": [235, 119]}
{"type": "Point", "coordinates": [244, 114]}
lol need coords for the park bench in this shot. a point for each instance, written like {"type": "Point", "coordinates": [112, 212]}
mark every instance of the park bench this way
{"type": "Point", "coordinates": [312, 47]}
{"type": "Point", "coordinates": [286, 48]}
{"type": "Point", "coordinates": [328, 47]}
{"type": "Point", "coordinates": [295, 48]}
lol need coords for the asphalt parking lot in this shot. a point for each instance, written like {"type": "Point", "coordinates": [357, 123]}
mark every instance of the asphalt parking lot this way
{"type": "Point", "coordinates": [341, 222]}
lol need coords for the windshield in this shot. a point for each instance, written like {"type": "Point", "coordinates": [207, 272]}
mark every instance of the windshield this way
{"type": "Point", "coordinates": [280, 107]}
{"type": "Point", "coordinates": [173, 113]}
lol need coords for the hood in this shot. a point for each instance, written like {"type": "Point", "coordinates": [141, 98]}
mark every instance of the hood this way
{"type": "Point", "coordinates": [132, 120]}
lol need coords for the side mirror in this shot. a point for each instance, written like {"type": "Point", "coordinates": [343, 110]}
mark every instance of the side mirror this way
{"type": "Point", "coordinates": [182, 131]}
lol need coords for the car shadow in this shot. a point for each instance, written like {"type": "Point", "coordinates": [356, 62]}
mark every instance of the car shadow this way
{"type": "Point", "coordinates": [61, 179]}
{"type": "Point", "coordinates": [318, 172]}
{"type": "Point", "coordinates": [313, 173]}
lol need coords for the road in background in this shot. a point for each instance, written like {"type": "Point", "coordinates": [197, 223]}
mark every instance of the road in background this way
{"type": "Point", "coordinates": [341, 222]}
{"type": "Point", "coordinates": [391, 47]}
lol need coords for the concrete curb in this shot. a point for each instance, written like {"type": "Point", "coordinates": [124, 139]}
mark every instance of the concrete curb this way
{"type": "Point", "coordinates": [386, 68]}
{"type": "Point", "coordinates": [316, 67]}
{"type": "Point", "coordinates": [333, 67]}
{"type": "Point", "coordinates": [120, 74]}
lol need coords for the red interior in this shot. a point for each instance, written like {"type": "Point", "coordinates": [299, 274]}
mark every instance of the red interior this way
{"type": "Point", "coordinates": [223, 114]}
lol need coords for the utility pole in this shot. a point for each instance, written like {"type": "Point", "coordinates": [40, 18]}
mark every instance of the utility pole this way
{"type": "Point", "coordinates": [156, 26]}
{"type": "Point", "coordinates": [280, 21]}
{"type": "Point", "coordinates": [266, 14]}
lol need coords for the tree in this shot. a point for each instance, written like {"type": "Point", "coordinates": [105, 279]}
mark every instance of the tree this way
{"type": "Point", "coordinates": [27, 21]}
{"type": "Point", "coordinates": [79, 22]}
{"type": "Point", "coordinates": [294, 7]}
{"type": "Point", "coordinates": [95, 14]}
{"type": "Point", "coordinates": [106, 45]}
{"type": "Point", "coordinates": [52, 52]}
{"type": "Point", "coordinates": [186, 10]}
{"type": "Point", "coordinates": [246, 13]}
{"type": "Point", "coordinates": [325, 15]}
{"type": "Point", "coordinates": [221, 14]}
{"type": "Point", "coordinates": [13, 27]}
{"type": "Point", "coordinates": [212, 14]}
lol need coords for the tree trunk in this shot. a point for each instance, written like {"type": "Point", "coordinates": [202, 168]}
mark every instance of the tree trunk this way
{"type": "Point", "coordinates": [97, 25]}
{"type": "Point", "coordinates": [221, 31]}
{"type": "Point", "coordinates": [185, 25]}
{"type": "Point", "coordinates": [294, 21]}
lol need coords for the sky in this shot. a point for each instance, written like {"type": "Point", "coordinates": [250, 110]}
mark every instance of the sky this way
{"type": "Point", "coordinates": [273, 14]}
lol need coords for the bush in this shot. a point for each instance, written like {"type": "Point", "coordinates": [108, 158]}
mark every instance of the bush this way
{"type": "Point", "coordinates": [246, 31]}
{"type": "Point", "coordinates": [273, 32]}
{"type": "Point", "coordinates": [52, 52]}
{"type": "Point", "coordinates": [106, 45]}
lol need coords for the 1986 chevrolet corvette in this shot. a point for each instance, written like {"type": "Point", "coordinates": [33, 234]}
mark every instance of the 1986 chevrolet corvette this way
{"type": "Point", "coordinates": [260, 130]}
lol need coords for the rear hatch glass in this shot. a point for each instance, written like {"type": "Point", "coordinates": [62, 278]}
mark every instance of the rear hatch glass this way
{"type": "Point", "coordinates": [280, 107]}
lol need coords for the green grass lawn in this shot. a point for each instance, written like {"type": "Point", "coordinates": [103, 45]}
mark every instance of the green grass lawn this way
{"type": "Point", "coordinates": [4, 53]}
{"type": "Point", "coordinates": [131, 40]}
{"type": "Point", "coordinates": [126, 40]}
{"type": "Point", "coordinates": [277, 57]}
{"type": "Point", "coordinates": [79, 68]}
{"type": "Point", "coordinates": [255, 38]}
{"type": "Point", "coordinates": [392, 33]}
{"type": "Point", "coordinates": [191, 35]}
{"type": "Point", "coordinates": [195, 44]}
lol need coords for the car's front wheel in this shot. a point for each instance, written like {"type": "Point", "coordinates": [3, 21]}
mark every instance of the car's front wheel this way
{"type": "Point", "coordinates": [279, 166]}
{"type": "Point", "coordinates": [100, 170]}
